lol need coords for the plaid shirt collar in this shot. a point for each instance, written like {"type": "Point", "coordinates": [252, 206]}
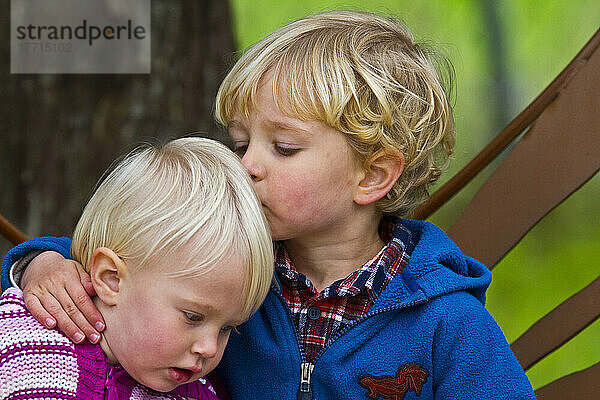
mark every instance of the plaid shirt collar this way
{"type": "Point", "coordinates": [372, 277]}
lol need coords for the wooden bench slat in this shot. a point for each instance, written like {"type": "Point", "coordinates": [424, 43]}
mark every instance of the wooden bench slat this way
{"type": "Point", "coordinates": [507, 135]}
{"type": "Point", "coordinates": [580, 385]}
{"type": "Point", "coordinates": [558, 154]}
{"type": "Point", "coordinates": [9, 231]}
{"type": "Point", "coordinates": [558, 326]}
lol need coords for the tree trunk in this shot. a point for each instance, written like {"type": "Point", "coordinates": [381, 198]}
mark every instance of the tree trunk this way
{"type": "Point", "coordinates": [59, 133]}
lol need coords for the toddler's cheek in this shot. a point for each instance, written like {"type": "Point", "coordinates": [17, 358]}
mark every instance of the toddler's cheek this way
{"type": "Point", "coordinates": [157, 341]}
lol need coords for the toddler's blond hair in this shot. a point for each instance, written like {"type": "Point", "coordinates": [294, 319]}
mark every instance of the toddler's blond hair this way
{"type": "Point", "coordinates": [158, 199]}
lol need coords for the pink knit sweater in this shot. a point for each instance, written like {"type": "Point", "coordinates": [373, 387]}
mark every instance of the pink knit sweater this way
{"type": "Point", "coordinates": [36, 363]}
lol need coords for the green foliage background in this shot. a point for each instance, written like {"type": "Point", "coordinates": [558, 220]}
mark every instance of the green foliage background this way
{"type": "Point", "coordinates": [559, 256]}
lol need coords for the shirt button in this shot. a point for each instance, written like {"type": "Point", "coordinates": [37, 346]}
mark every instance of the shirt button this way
{"type": "Point", "coordinates": [314, 313]}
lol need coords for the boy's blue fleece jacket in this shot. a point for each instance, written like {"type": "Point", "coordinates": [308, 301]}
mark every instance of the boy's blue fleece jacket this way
{"type": "Point", "coordinates": [428, 336]}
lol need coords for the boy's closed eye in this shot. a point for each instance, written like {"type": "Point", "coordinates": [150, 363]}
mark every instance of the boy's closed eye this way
{"type": "Point", "coordinates": [240, 149]}
{"type": "Point", "coordinates": [285, 149]}
{"type": "Point", "coordinates": [282, 149]}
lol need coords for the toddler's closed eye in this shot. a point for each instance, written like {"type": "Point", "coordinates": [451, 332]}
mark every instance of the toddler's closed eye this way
{"type": "Point", "coordinates": [193, 317]}
{"type": "Point", "coordinates": [229, 328]}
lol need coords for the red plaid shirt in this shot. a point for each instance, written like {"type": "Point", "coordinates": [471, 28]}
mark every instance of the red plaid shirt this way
{"type": "Point", "coordinates": [320, 317]}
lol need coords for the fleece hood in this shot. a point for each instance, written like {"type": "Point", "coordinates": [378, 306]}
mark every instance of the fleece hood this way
{"type": "Point", "coordinates": [436, 267]}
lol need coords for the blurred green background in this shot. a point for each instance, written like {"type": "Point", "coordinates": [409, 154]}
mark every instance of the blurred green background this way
{"type": "Point", "coordinates": [504, 53]}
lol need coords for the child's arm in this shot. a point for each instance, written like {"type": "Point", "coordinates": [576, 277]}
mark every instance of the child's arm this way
{"type": "Point", "coordinates": [473, 360]}
{"type": "Point", "coordinates": [60, 297]}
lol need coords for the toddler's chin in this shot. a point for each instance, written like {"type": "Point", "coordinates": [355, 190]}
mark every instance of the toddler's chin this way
{"type": "Point", "coordinates": [160, 385]}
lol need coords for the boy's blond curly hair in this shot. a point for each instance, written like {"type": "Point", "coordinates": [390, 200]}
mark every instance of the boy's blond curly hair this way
{"type": "Point", "coordinates": [364, 75]}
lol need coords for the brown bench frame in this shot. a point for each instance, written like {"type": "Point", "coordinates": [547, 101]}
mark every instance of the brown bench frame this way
{"type": "Point", "coordinates": [552, 159]}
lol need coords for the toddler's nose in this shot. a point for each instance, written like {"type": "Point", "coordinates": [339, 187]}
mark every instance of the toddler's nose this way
{"type": "Point", "coordinates": [207, 346]}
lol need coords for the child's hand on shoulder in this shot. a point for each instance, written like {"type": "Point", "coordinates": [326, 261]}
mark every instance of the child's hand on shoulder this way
{"type": "Point", "coordinates": [62, 298]}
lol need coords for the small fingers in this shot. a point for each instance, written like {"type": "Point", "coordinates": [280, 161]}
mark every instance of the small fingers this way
{"type": "Point", "coordinates": [60, 308]}
{"type": "Point", "coordinates": [73, 315]}
{"type": "Point", "coordinates": [62, 297]}
{"type": "Point", "coordinates": [38, 311]}
{"type": "Point", "coordinates": [68, 318]}
{"type": "Point", "coordinates": [84, 313]}
{"type": "Point", "coordinates": [86, 281]}
{"type": "Point", "coordinates": [84, 301]}
{"type": "Point", "coordinates": [51, 306]}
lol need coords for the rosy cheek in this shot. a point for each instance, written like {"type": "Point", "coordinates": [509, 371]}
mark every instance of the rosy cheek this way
{"type": "Point", "coordinates": [297, 186]}
{"type": "Point", "coordinates": [160, 343]}
{"type": "Point", "coordinates": [159, 338]}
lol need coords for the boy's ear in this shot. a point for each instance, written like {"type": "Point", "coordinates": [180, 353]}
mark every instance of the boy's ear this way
{"type": "Point", "coordinates": [107, 270]}
{"type": "Point", "coordinates": [381, 172]}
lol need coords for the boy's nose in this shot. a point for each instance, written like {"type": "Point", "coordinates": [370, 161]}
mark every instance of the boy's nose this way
{"type": "Point", "coordinates": [251, 160]}
{"type": "Point", "coordinates": [206, 346]}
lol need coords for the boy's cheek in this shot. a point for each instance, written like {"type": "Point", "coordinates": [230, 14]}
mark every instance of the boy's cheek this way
{"type": "Point", "coordinates": [279, 191]}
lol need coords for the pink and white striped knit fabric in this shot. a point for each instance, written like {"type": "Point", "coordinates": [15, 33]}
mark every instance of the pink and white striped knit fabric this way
{"type": "Point", "coordinates": [39, 363]}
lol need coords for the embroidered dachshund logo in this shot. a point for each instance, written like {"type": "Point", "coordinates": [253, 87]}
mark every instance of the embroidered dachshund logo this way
{"type": "Point", "coordinates": [409, 377]}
